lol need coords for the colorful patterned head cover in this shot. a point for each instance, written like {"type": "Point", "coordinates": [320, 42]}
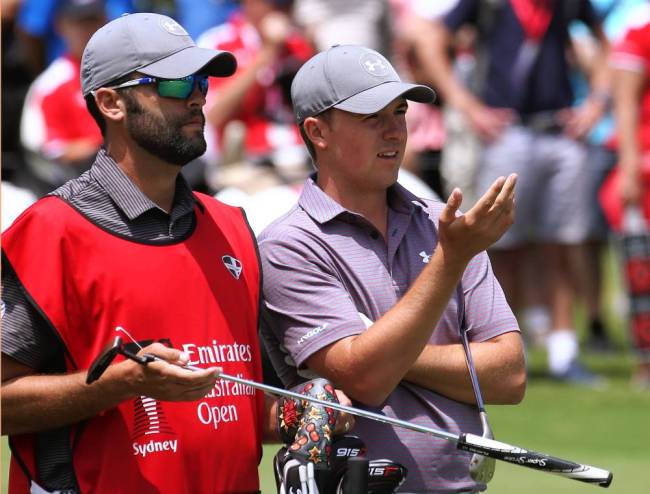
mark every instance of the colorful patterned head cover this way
{"type": "Point", "coordinates": [308, 427]}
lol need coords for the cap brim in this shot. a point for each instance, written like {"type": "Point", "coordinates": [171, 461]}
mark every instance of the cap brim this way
{"type": "Point", "coordinates": [374, 99]}
{"type": "Point", "coordinates": [190, 61]}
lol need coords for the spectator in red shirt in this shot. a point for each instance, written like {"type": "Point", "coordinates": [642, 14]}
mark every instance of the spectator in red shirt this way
{"type": "Point", "coordinates": [56, 128]}
{"type": "Point", "coordinates": [269, 50]}
{"type": "Point", "coordinates": [625, 195]}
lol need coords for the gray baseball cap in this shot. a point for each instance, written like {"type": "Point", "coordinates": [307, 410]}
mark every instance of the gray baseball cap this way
{"type": "Point", "coordinates": [153, 44]}
{"type": "Point", "coordinates": [351, 78]}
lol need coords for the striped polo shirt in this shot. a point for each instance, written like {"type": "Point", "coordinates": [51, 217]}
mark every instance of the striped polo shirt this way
{"type": "Point", "coordinates": [328, 274]}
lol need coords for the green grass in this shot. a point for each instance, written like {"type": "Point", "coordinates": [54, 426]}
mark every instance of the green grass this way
{"type": "Point", "coordinates": [608, 428]}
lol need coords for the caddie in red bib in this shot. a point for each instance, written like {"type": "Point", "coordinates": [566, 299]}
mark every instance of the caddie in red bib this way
{"type": "Point", "coordinates": [182, 293]}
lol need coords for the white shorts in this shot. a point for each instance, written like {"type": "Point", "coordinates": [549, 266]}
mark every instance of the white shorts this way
{"type": "Point", "coordinates": [551, 196]}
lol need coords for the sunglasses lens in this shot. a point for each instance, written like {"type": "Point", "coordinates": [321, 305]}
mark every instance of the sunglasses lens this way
{"type": "Point", "coordinates": [203, 83]}
{"type": "Point", "coordinates": [182, 88]}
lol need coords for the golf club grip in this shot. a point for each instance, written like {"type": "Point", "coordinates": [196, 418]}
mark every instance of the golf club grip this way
{"type": "Point", "coordinates": [531, 459]}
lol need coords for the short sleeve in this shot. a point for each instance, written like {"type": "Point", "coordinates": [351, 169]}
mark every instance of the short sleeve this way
{"type": "Point", "coordinates": [487, 312]}
{"type": "Point", "coordinates": [633, 51]}
{"type": "Point", "coordinates": [26, 336]}
{"type": "Point", "coordinates": [306, 304]}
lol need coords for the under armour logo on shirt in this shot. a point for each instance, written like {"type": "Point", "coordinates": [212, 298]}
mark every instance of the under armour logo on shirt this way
{"type": "Point", "coordinates": [425, 257]}
{"type": "Point", "coordinates": [233, 265]}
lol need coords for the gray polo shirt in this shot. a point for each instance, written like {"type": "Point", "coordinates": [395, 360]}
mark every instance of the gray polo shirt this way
{"type": "Point", "coordinates": [328, 274]}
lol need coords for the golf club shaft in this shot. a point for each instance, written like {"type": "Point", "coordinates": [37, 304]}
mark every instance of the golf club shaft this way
{"type": "Point", "coordinates": [343, 408]}
{"type": "Point", "coordinates": [464, 441]}
{"type": "Point", "coordinates": [472, 371]}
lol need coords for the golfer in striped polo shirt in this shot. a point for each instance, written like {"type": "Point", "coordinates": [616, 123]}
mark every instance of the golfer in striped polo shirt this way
{"type": "Point", "coordinates": [368, 285]}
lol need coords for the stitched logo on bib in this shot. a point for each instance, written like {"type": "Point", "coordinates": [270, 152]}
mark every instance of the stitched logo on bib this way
{"type": "Point", "coordinates": [234, 266]}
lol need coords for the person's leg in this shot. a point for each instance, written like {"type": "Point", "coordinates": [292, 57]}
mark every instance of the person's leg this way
{"type": "Point", "coordinates": [601, 161]}
{"type": "Point", "coordinates": [564, 228]}
{"type": "Point", "coordinates": [562, 343]}
{"type": "Point", "coordinates": [589, 274]}
{"type": "Point", "coordinates": [511, 257]}
{"type": "Point", "coordinates": [536, 312]}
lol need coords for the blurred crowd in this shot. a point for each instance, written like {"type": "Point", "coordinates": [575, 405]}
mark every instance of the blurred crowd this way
{"type": "Point", "coordinates": [566, 109]}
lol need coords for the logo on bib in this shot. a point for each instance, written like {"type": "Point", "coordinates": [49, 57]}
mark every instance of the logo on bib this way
{"type": "Point", "coordinates": [150, 420]}
{"type": "Point", "coordinates": [233, 265]}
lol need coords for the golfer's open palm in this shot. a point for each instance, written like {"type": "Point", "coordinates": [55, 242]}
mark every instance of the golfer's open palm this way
{"type": "Point", "coordinates": [464, 236]}
{"type": "Point", "coordinates": [167, 380]}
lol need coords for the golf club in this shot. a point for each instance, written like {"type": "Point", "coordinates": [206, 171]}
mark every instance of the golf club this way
{"type": "Point", "coordinates": [464, 441]}
{"type": "Point", "coordinates": [481, 468]}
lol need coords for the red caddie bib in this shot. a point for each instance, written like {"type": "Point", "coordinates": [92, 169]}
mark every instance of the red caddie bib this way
{"type": "Point", "coordinates": [201, 295]}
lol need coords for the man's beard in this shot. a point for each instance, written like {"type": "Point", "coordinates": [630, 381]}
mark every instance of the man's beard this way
{"type": "Point", "coordinates": [164, 138]}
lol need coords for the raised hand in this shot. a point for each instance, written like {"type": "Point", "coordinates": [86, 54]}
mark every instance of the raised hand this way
{"type": "Point", "coordinates": [465, 235]}
{"type": "Point", "coordinates": [275, 29]}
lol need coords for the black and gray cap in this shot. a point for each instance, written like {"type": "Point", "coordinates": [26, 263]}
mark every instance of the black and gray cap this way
{"type": "Point", "coordinates": [153, 44]}
{"type": "Point", "coordinates": [351, 78]}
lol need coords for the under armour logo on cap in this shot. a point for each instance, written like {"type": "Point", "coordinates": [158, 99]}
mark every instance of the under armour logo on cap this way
{"type": "Point", "coordinates": [234, 266]}
{"type": "Point", "coordinates": [173, 27]}
{"type": "Point", "coordinates": [374, 65]}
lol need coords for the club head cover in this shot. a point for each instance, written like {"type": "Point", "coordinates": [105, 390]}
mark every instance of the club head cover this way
{"type": "Point", "coordinates": [315, 423]}
{"type": "Point", "coordinates": [289, 415]}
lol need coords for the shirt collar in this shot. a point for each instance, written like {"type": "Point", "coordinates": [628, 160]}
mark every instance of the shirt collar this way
{"type": "Point", "coordinates": [128, 197]}
{"type": "Point", "coordinates": [322, 208]}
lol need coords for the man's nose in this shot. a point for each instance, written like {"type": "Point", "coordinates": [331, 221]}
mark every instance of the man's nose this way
{"type": "Point", "coordinates": [394, 127]}
{"type": "Point", "coordinates": [196, 97]}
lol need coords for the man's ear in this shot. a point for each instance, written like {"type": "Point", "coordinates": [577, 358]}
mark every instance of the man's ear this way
{"type": "Point", "coordinates": [318, 131]}
{"type": "Point", "coordinates": [110, 104]}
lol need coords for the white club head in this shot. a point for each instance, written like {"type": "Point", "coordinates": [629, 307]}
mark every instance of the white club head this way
{"type": "Point", "coordinates": [481, 468]}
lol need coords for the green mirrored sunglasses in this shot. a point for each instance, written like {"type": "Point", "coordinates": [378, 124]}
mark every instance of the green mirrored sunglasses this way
{"type": "Point", "coordinates": [171, 88]}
